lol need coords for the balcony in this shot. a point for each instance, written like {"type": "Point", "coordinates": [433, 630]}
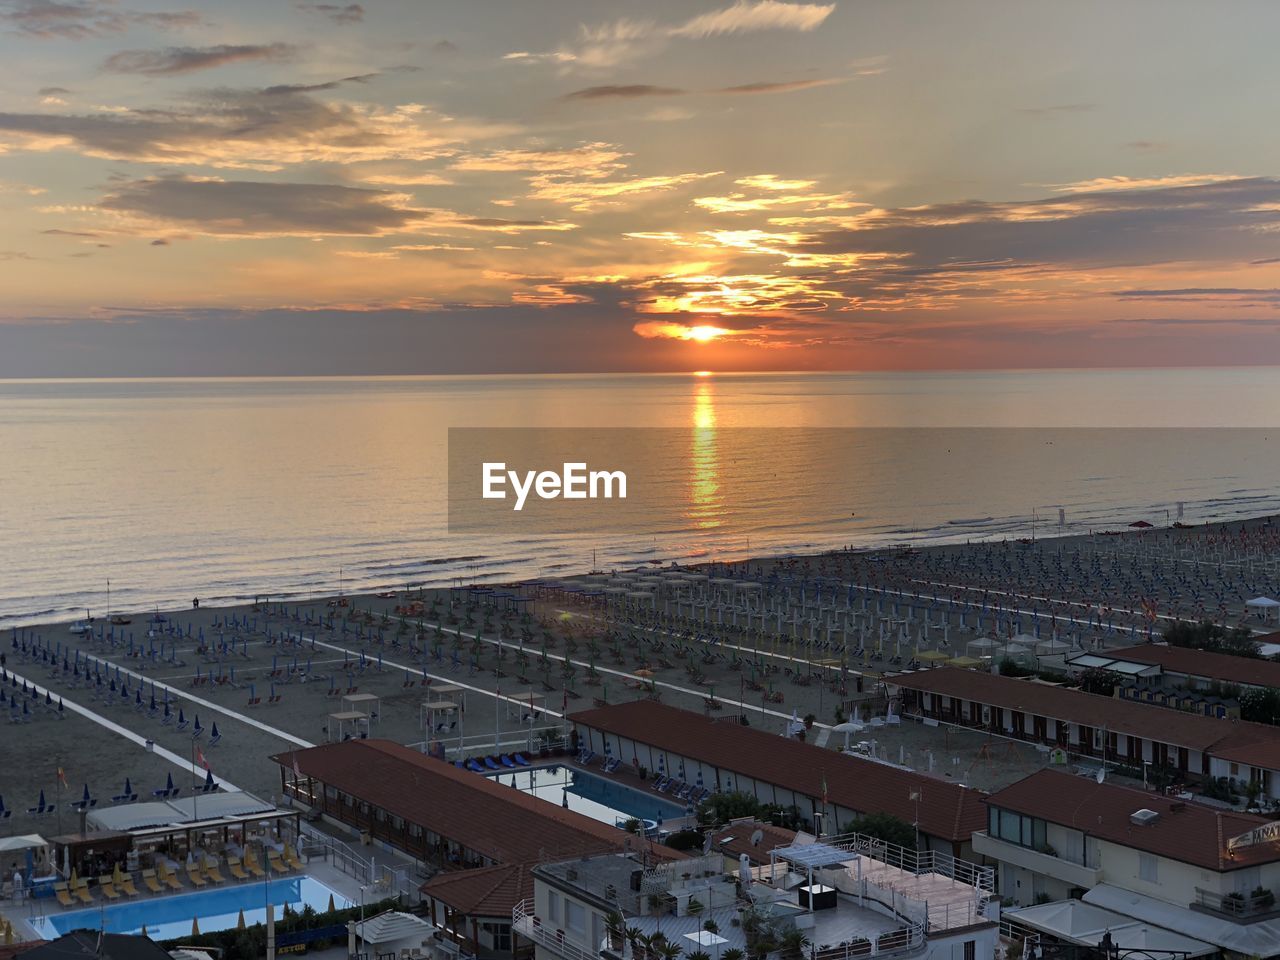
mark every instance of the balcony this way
{"type": "Point", "coordinates": [1240, 907]}
{"type": "Point", "coordinates": [1045, 864]}
{"type": "Point", "coordinates": [530, 927]}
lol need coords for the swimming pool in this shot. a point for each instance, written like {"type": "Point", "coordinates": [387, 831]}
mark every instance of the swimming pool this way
{"type": "Point", "coordinates": [590, 795]}
{"type": "Point", "coordinates": [167, 918]}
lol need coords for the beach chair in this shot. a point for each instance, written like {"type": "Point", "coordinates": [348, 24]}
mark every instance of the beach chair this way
{"type": "Point", "coordinates": [126, 885]}
{"type": "Point", "coordinates": [107, 888]}
{"type": "Point", "coordinates": [252, 865]}
{"type": "Point", "coordinates": [150, 882]}
{"type": "Point", "coordinates": [276, 864]}
{"type": "Point", "coordinates": [81, 890]}
{"type": "Point", "coordinates": [64, 895]}
{"type": "Point", "coordinates": [234, 868]}
{"type": "Point", "coordinates": [290, 856]}
{"type": "Point", "coordinates": [211, 871]}
{"type": "Point", "coordinates": [195, 876]}
{"type": "Point", "coordinates": [169, 877]}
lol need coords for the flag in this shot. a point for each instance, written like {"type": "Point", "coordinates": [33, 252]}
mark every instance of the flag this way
{"type": "Point", "coordinates": [200, 758]}
{"type": "Point", "coordinates": [62, 777]}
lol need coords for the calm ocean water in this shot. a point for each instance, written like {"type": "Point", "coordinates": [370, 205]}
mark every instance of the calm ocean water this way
{"type": "Point", "coordinates": [226, 489]}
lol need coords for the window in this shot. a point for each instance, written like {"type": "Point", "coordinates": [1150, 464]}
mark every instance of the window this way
{"type": "Point", "coordinates": [500, 935]}
{"type": "Point", "coordinates": [1148, 868]}
{"type": "Point", "coordinates": [553, 906]}
{"type": "Point", "coordinates": [1016, 828]}
{"type": "Point", "coordinates": [970, 949]}
{"type": "Point", "coordinates": [575, 917]}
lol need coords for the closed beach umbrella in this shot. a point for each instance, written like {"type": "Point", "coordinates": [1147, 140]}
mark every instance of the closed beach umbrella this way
{"type": "Point", "coordinates": [331, 903]}
{"type": "Point", "coordinates": [240, 921]}
{"type": "Point", "coordinates": [144, 929]}
{"type": "Point", "coordinates": [195, 926]}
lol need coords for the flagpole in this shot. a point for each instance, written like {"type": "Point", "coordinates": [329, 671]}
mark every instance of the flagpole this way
{"type": "Point", "coordinates": [195, 791]}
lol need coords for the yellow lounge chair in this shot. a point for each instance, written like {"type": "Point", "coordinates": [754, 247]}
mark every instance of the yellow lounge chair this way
{"type": "Point", "coordinates": [107, 888]}
{"type": "Point", "coordinates": [193, 874]}
{"type": "Point", "coordinates": [211, 872]}
{"type": "Point", "coordinates": [126, 885]}
{"type": "Point", "coordinates": [291, 857]}
{"type": "Point", "coordinates": [169, 877]}
{"type": "Point", "coordinates": [81, 890]}
{"type": "Point", "coordinates": [254, 867]}
{"type": "Point", "coordinates": [237, 871]}
{"type": "Point", "coordinates": [64, 895]}
{"type": "Point", "coordinates": [276, 864]}
{"type": "Point", "coordinates": [150, 882]}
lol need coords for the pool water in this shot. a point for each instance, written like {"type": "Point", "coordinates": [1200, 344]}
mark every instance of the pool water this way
{"type": "Point", "coordinates": [168, 918]}
{"type": "Point", "coordinates": [590, 795]}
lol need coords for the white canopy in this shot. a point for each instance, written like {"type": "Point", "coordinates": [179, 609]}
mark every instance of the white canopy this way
{"type": "Point", "coordinates": [394, 927]}
{"type": "Point", "coordinates": [1262, 603]}
{"type": "Point", "coordinates": [1084, 923]}
{"type": "Point", "coordinates": [1257, 939]}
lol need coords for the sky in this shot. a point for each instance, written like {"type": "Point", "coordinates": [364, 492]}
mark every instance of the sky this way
{"type": "Point", "coordinates": [399, 187]}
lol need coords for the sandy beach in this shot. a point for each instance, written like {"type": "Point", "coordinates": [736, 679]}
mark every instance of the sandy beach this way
{"type": "Point", "coordinates": [812, 634]}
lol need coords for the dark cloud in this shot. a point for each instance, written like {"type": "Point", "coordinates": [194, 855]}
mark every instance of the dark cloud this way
{"type": "Point", "coordinates": [1227, 221]}
{"type": "Point", "coordinates": [257, 208]}
{"type": "Point", "coordinates": [159, 242]}
{"type": "Point", "coordinates": [56, 232]}
{"type": "Point", "coordinates": [173, 60]}
{"type": "Point", "coordinates": [785, 86]}
{"type": "Point", "coordinates": [446, 47]}
{"type": "Point", "coordinates": [235, 127]}
{"type": "Point", "coordinates": [1235, 296]}
{"type": "Point", "coordinates": [343, 13]}
{"type": "Point", "coordinates": [496, 223]}
{"type": "Point", "coordinates": [53, 91]}
{"type": "Point", "coordinates": [82, 19]}
{"type": "Point", "coordinates": [628, 91]}
{"type": "Point", "coordinates": [290, 88]}
{"type": "Point", "coordinates": [1146, 145]}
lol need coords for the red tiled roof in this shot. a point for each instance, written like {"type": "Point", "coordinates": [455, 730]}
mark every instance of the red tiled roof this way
{"type": "Point", "coordinates": [1150, 722]}
{"type": "Point", "coordinates": [1190, 832]}
{"type": "Point", "coordinates": [484, 891]}
{"type": "Point", "coordinates": [735, 839]}
{"type": "Point", "coordinates": [1202, 663]}
{"type": "Point", "coordinates": [502, 824]}
{"type": "Point", "coordinates": [947, 810]}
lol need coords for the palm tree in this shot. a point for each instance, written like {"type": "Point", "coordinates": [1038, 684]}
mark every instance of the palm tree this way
{"type": "Point", "coordinates": [792, 943]}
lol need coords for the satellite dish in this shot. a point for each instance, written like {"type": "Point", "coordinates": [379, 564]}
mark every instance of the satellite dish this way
{"type": "Point", "coordinates": [757, 837]}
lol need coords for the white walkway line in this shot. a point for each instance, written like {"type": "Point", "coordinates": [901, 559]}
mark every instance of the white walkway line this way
{"type": "Point", "coordinates": [208, 704]}
{"type": "Point", "coordinates": [125, 732]}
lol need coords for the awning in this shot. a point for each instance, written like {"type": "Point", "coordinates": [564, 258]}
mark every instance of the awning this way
{"type": "Point", "coordinates": [1261, 939]}
{"type": "Point", "coordinates": [1083, 923]}
{"type": "Point", "coordinates": [393, 926]}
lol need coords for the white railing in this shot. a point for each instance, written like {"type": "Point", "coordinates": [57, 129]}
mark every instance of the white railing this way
{"type": "Point", "coordinates": [917, 861]}
{"type": "Point", "coordinates": [531, 927]}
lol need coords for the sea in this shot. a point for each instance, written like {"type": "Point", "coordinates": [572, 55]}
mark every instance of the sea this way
{"type": "Point", "coordinates": [134, 494]}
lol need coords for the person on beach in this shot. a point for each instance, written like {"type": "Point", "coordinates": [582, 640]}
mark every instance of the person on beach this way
{"type": "Point", "coordinates": [195, 604]}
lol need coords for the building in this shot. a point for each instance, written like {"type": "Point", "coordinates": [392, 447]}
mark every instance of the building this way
{"type": "Point", "coordinates": [478, 837]}
{"type": "Point", "coordinates": [1184, 667]}
{"type": "Point", "coordinates": [1192, 870]}
{"type": "Point", "coordinates": [92, 945]}
{"type": "Point", "coordinates": [828, 788]}
{"type": "Point", "coordinates": [850, 904]}
{"type": "Point", "coordinates": [1105, 728]}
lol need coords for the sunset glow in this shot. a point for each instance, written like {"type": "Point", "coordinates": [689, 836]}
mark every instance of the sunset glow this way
{"type": "Point", "coordinates": [586, 189]}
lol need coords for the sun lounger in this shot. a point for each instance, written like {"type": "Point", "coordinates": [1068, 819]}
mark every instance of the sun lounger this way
{"type": "Point", "coordinates": [195, 876]}
{"type": "Point", "coordinates": [211, 871]}
{"type": "Point", "coordinates": [276, 864]}
{"type": "Point", "coordinates": [234, 868]}
{"type": "Point", "coordinates": [520, 759]}
{"type": "Point", "coordinates": [107, 889]}
{"type": "Point", "coordinates": [126, 885]}
{"type": "Point", "coordinates": [506, 761]}
{"type": "Point", "coordinates": [150, 882]}
{"type": "Point", "coordinates": [81, 890]}
{"type": "Point", "coordinates": [253, 866]}
{"type": "Point", "coordinates": [64, 895]}
{"type": "Point", "coordinates": [169, 877]}
{"type": "Point", "coordinates": [290, 857]}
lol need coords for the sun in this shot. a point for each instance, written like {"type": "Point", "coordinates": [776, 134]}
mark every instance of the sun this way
{"type": "Point", "coordinates": [703, 333]}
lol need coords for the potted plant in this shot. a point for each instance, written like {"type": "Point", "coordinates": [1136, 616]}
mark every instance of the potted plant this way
{"type": "Point", "coordinates": [733, 953]}
{"type": "Point", "coordinates": [634, 935]}
{"type": "Point", "coordinates": [695, 907]}
{"type": "Point", "coordinates": [711, 927]}
{"type": "Point", "coordinates": [614, 925]}
{"type": "Point", "coordinates": [792, 943]}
